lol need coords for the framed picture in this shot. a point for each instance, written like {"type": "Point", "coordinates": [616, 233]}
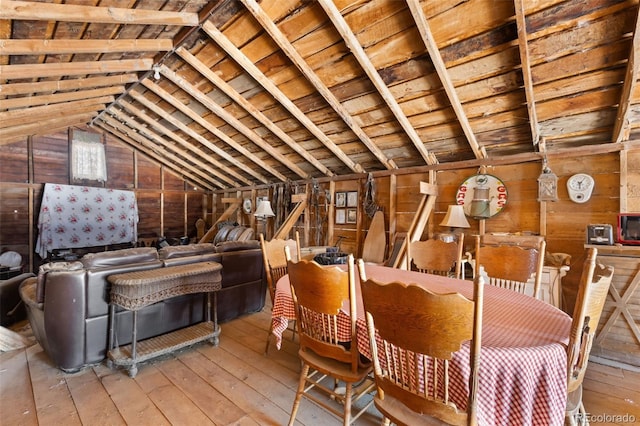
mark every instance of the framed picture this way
{"type": "Point", "coordinates": [341, 199]}
{"type": "Point", "coordinates": [352, 199]}
{"type": "Point", "coordinates": [341, 216]}
{"type": "Point", "coordinates": [352, 215]}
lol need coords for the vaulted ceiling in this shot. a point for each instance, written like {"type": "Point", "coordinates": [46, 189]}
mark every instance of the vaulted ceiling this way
{"type": "Point", "coordinates": [233, 93]}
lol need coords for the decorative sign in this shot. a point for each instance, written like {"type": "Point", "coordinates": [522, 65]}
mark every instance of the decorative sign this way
{"type": "Point", "coordinates": [482, 196]}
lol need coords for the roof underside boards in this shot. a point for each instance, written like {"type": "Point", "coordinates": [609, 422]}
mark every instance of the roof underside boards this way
{"type": "Point", "coordinates": [233, 93]}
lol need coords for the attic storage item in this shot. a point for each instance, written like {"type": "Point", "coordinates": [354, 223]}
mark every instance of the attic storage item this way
{"type": "Point", "coordinates": [73, 216]}
{"type": "Point", "coordinates": [482, 196]}
{"type": "Point", "coordinates": [135, 290]}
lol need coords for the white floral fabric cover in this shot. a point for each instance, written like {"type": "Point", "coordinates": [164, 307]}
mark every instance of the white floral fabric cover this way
{"type": "Point", "coordinates": [74, 216]}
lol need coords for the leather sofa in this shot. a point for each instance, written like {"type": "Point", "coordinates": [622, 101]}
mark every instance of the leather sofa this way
{"type": "Point", "coordinates": [67, 303]}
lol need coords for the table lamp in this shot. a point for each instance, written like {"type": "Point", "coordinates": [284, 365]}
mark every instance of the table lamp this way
{"type": "Point", "coordinates": [455, 218]}
{"type": "Point", "coordinates": [263, 212]}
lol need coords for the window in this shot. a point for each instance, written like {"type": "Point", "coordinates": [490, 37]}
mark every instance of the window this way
{"type": "Point", "coordinates": [88, 159]}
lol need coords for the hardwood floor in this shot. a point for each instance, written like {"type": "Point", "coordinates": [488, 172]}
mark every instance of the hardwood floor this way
{"type": "Point", "coordinates": [233, 384]}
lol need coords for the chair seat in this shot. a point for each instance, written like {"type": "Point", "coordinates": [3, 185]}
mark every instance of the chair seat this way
{"type": "Point", "coordinates": [392, 407]}
{"type": "Point", "coordinates": [339, 370]}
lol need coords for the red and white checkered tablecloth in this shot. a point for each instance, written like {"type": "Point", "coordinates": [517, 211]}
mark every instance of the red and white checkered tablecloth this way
{"type": "Point", "coordinates": [523, 362]}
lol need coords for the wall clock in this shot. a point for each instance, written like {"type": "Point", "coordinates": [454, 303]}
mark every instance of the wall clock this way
{"type": "Point", "coordinates": [246, 205]}
{"type": "Point", "coordinates": [580, 187]}
{"type": "Point", "coordinates": [482, 196]}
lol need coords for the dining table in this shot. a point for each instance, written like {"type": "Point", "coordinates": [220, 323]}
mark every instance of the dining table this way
{"type": "Point", "coordinates": [523, 361]}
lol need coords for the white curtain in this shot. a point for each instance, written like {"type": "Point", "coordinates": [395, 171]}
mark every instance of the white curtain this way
{"type": "Point", "coordinates": [87, 157]}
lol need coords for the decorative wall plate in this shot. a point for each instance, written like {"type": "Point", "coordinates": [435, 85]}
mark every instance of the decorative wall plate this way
{"type": "Point", "coordinates": [482, 196]}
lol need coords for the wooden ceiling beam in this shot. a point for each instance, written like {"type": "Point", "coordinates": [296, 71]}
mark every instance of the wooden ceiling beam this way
{"type": "Point", "coordinates": [167, 97]}
{"type": "Point", "coordinates": [523, 46]}
{"type": "Point", "coordinates": [272, 29]}
{"type": "Point", "coordinates": [70, 46]}
{"type": "Point", "coordinates": [194, 154]}
{"type": "Point", "coordinates": [193, 134]}
{"type": "Point", "coordinates": [15, 133]}
{"type": "Point", "coordinates": [178, 153]}
{"type": "Point", "coordinates": [250, 68]}
{"type": "Point", "coordinates": [66, 85]}
{"type": "Point", "coordinates": [195, 116]}
{"type": "Point", "coordinates": [45, 112]}
{"type": "Point", "coordinates": [22, 71]}
{"type": "Point", "coordinates": [219, 111]}
{"type": "Point", "coordinates": [359, 53]}
{"type": "Point", "coordinates": [135, 141]}
{"type": "Point", "coordinates": [57, 98]}
{"type": "Point", "coordinates": [36, 11]}
{"type": "Point", "coordinates": [258, 115]}
{"type": "Point", "coordinates": [622, 126]}
{"type": "Point", "coordinates": [432, 48]}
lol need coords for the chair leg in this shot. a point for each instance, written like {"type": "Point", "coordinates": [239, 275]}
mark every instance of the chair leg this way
{"type": "Point", "coordinates": [301, 385]}
{"type": "Point", "coordinates": [347, 404]}
{"type": "Point", "coordinates": [266, 348]}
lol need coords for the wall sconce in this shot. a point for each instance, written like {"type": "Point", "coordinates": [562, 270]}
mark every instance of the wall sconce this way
{"type": "Point", "coordinates": [264, 212]}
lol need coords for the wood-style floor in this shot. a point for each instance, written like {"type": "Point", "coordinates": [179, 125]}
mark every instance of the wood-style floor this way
{"type": "Point", "coordinates": [233, 384]}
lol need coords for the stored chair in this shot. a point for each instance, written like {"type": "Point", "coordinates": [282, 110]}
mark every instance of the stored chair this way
{"type": "Point", "coordinates": [441, 327]}
{"type": "Point", "coordinates": [510, 261]}
{"type": "Point", "coordinates": [436, 257]}
{"type": "Point", "coordinates": [275, 267]}
{"type": "Point", "coordinates": [328, 337]}
{"type": "Point", "coordinates": [592, 293]}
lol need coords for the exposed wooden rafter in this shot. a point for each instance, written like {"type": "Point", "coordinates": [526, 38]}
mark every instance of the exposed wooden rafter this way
{"type": "Point", "coordinates": [270, 87]}
{"type": "Point", "coordinates": [622, 127]}
{"type": "Point", "coordinates": [441, 69]}
{"type": "Point", "coordinates": [523, 45]}
{"type": "Point", "coordinates": [63, 85]}
{"type": "Point", "coordinates": [371, 71]}
{"type": "Point", "coordinates": [167, 97]}
{"type": "Point", "coordinates": [61, 97]}
{"type": "Point", "coordinates": [219, 111]}
{"type": "Point", "coordinates": [313, 78]}
{"type": "Point", "coordinates": [21, 71]}
{"type": "Point", "coordinates": [59, 47]}
{"type": "Point", "coordinates": [34, 11]}
{"type": "Point", "coordinates": [237, 98]}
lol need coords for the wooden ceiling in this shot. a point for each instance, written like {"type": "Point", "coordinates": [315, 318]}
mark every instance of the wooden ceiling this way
{"type": "Point", "coordinates": [234, 93]}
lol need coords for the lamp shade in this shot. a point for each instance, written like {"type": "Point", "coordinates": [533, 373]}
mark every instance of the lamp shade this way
{"type": "Point", "coordinates": [264, 210]}
{"type": "Point", "coordinates": [455, 218]}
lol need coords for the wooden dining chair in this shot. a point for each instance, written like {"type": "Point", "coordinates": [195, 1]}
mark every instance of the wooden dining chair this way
{"type": "Point", "coordinates": [275, 267]}
{"type": "Point", "coordinates": [510, 263]}
{"type": "Point", "coordinates": [328, 347]}
{"type": "Point", "coordinates": [436, 257]}
{"type": "Point", "coordinates": [592, 293]}
{"type": "Point", "coordinates": [412, 357]}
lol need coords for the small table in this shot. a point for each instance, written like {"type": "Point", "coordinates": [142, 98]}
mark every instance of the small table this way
{"type": "Point", "coordinates": [135, 290]}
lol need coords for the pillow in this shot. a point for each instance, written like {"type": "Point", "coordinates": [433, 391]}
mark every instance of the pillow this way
{"type": "Point", "coordinates": [237, 245]}
{"type": "Point", "coordinates": [172, 252]}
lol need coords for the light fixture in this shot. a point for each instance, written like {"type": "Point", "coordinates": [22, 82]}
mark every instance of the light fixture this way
{"type": "Point", "coordinates": [263, 212]}
{"type": "Point", "coordinates": [156, 72]}
{"type": "Point", "coordinates": [547, 184]}
{"type": "Point", "coordinates": [455, 218]}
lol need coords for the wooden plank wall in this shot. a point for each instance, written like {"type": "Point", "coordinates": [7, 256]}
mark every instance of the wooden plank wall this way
{"type": "Point", "coordinates": [563, 222]}
{"type": "Point", "coordinates": [168, 206]}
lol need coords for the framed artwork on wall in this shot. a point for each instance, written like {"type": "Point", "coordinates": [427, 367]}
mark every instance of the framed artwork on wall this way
{"type": "Point", "coordinates": [341, 217]}
{"type": "Point", "coordinates": [341, 199]}
{"type": "Point", "coordinates": [352, 199]}
{"type": "Point", "coordinates": [352, 215]}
